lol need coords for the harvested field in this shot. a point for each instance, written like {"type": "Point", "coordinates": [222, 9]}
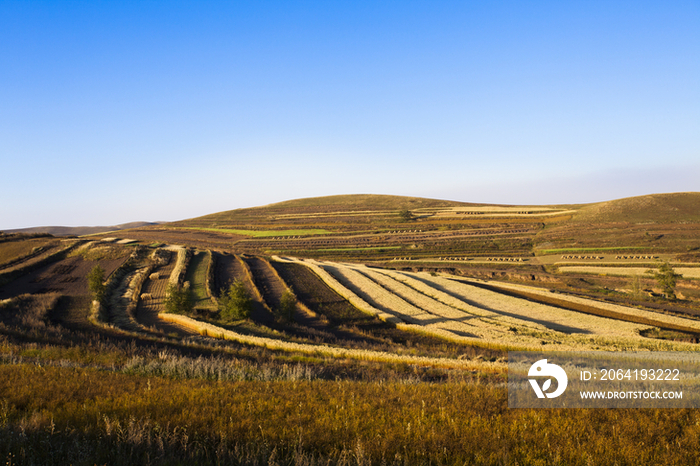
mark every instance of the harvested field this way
{"type": "Point", "coordinates": [228, 268]}
{"type": "Point", "coordinates": [153, 293]}
{"type": "Point", "coordinates": [472, 315]}
{"type": "Point", "coordinates": [616, 311]}
{"type": "Point", "coordinates": [266, 280]}
{"type": "Point", "coordinates": [687, 272]}
{"type": "Point", "coordinates": [338, 316]}
{"type": "Point", "coordinates": [198, 239]}
{"type": "Point", "coordinates": [67, 277]}
{"type": "Point", "coordinates": [155, 287]}
{"type": "Point", "coordinates": [13, 252]}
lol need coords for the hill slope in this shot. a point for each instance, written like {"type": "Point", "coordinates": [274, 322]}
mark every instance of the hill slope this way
{"type": "Point", "coordinates": [653, 208]}
{"type": "Point", "coordinates": [79, 231]}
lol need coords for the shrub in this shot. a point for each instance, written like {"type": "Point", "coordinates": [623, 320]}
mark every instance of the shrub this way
{"type": "Point", "coordinates": [178, 299]}
{"type": "Point", "coordinates": [235, 303]}
{"type": "Point", "coordinates": [406, 215]}
{"type": "Point", "coordinates": [96, 284]}
{"type": "Point", "coordinates": [666, 277]}
{"type": "Point", "coordinates": [288, 303]}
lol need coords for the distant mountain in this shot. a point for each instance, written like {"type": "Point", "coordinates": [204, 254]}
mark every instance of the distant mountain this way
{"type": "Point", "coordinates": [79, 231]}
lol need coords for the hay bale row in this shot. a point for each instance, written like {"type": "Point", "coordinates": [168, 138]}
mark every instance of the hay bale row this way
{"type": "Point", "coordinates": [637, 257]}
{"type": "Point", "coordinates": [582, 257]}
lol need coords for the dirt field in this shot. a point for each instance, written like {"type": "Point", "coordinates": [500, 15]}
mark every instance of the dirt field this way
{"type": "Point", "coordinates": [67, 277]}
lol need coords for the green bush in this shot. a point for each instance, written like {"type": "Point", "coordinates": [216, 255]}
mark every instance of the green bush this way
{"type": "Point", "coordinates": [178, 299]}
{"type": "Point", "coordinates": [666, 277]}
{"type": "Point", "coordinates": [96, 284]}
{"type": "Point", "coordinates": [288, 302]}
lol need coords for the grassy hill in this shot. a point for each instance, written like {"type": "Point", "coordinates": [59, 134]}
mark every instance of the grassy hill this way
{"type": "Point", "coordinates": [79, 231]}
{"type": "Point", "coordinates": [354, 209]}
{"type": "Point", "coordinates": [367, 227]}
{"type": "Point", "coordinates": [654, 208]}
{"type": "Point", "coordinates": [659, 222]}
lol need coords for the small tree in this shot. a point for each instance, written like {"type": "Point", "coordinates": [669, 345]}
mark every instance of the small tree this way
{"type": "Point", "coordinates": [288, 302]}
{"type": "Point", "coordinates": [406, 215]}
{"type": "Point", "coordinates": [636, 285]}
{"type": "Point", "coordinates": [178, 299]}
{"type": "Point", "coordinates": [666, 277]}
{"type": "Point", "coordinates": [96, 284]}
{"type": "Point", "coordinates": [235, 303]}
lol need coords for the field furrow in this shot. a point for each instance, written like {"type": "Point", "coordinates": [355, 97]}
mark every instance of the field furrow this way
{"type": "Point", "coordinates": [378, 296]}
{"type": "Point", "coordinates": [551, 317]}
{"type": "Point", "coordinates": [462, 312]}
{"type": "Point", "coordinates": [423, 287]}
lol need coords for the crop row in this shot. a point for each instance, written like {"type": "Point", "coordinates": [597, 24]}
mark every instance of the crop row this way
{"type": "Point", "coordinates": [469, 314]}
{"type": "Point", "coordinates": [215, 331]}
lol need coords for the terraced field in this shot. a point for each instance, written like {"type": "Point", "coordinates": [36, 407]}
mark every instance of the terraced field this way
{"type": "Point", "coordinates": [392, 293]}
{"type": "Point", "coordinates": [469, 314]}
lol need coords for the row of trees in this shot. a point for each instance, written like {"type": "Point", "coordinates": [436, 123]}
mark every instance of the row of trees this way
{"type": "Point", "coordinates": [235, 303]}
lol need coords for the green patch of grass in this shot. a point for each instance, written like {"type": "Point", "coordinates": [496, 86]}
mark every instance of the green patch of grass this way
{"type": "Point", "coordinates": [197, 276]}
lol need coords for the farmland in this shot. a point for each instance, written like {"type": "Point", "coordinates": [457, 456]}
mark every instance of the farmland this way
{"type": "Point", "coordinates": [372, 336]}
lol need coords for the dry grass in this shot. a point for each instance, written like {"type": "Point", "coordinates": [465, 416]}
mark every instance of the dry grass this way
{"type": "Point", "coordinates": [178, 272]}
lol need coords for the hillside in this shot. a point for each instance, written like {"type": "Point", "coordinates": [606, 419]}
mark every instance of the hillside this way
{"type": "Point", "coordinates": [358, 208]}
{"type": "Point", "coordinates": [79, 231]}
{"type": "Point", "coordinates": [654, 208]}
{"type": "Point", "coordinates": [383, 228]}
{"type": "Point", "coordinates": [659, 222]}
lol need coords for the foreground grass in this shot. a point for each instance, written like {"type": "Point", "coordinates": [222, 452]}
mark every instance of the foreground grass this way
{"type": "Point", "coordinates": [52, 415]}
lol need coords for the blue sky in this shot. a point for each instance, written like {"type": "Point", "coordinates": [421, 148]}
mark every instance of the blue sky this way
{"type": "Point", "coordinates": [117, 111]}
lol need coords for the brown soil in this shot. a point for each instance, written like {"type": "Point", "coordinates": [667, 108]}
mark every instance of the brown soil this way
{"type": "Point", "coordinates": [198, 239]}
{"type": "Point", "coordinates": [67, 277]}
{"type": "Point", "coordinates": [266, 280]}
{"type": "Point", "coordinates": [230, 268]}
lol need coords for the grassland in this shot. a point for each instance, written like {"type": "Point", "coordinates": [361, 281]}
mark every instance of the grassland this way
{"type": "Point", "coordinates": [382, 361]}
{"type": "Point", "coordinates": [196, 276]}
{"type": "Point", "coordinates": [76, 416]}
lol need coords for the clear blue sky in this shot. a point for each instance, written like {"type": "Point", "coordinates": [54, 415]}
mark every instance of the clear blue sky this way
{"type": "Point", "coordinates": [117, 111]}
